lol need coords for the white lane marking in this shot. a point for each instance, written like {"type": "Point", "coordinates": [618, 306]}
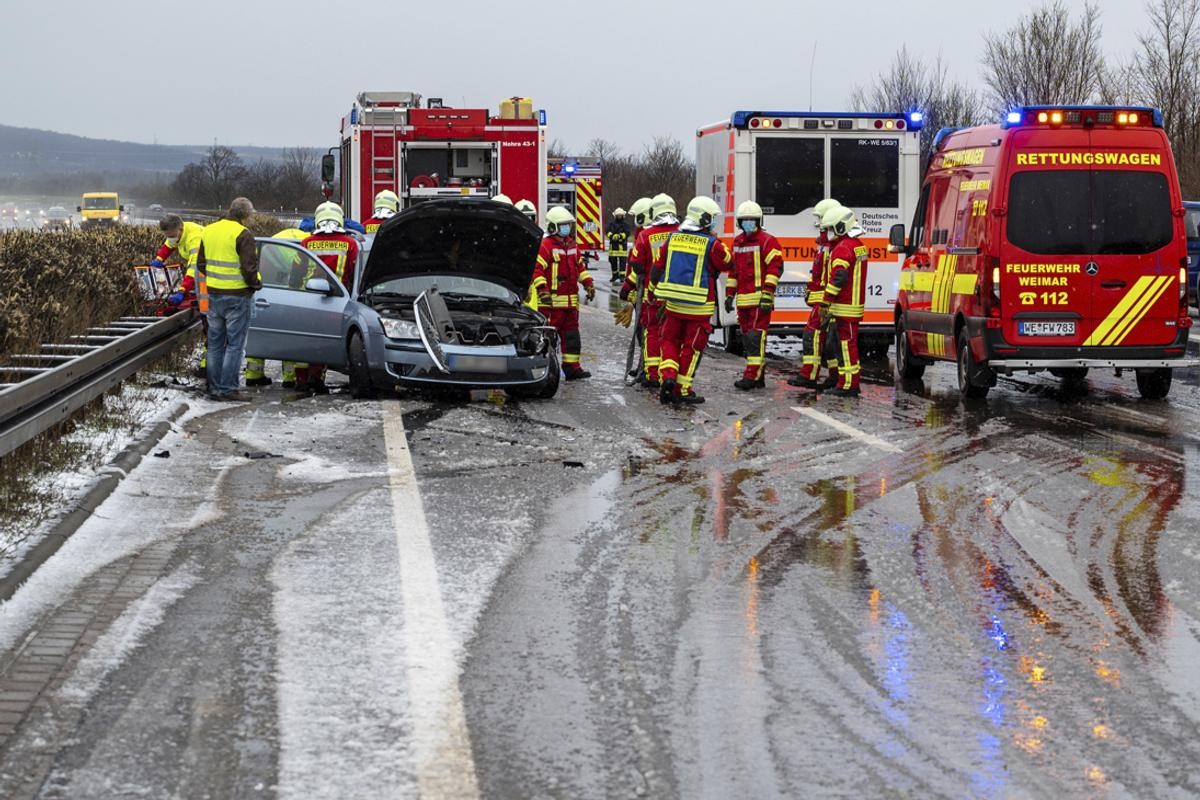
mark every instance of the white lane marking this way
{"type": "Point", "coordinates": [852, 432]}
{"type": "Point", "coordinates": [441, 742]}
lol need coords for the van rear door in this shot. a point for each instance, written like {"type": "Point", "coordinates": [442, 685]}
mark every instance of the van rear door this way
{"type": "Point", "coordinates": [1090, 240]}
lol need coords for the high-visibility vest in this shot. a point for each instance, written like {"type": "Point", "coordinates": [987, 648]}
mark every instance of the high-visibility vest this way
{"type": "Point", "coordinates": [188, 247]}
{"type": "Point", "coordinates": [686, 278]}
{"type": "Point", "coordinates": [223, 265]}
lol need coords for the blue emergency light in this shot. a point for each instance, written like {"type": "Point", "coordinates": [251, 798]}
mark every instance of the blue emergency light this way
{"type": "Point", "coordinates": [1054, 116]}
{"type": "Point", "coordinates": [916, 118]}
{"type": "Point", "coordinates": [569, 169]}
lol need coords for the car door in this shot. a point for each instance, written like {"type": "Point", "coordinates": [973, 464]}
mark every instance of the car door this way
{"type": "Point", "coordinates": [288, 321]}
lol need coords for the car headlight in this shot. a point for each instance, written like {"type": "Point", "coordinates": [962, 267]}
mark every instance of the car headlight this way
{"type": "Point", "coordinates": [399, 328]}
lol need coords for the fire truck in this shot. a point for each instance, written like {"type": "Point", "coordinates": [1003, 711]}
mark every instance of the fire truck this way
{"type": "Point", "coordinates": [575, 183]}
{"type": "Point", "coordinates": [389, 140]}
{"type": "Point", "coordinates": [787, 162]}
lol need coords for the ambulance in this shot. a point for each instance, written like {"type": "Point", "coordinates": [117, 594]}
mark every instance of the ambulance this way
{"type": "Point", "coordinates": [1052, 241]}
{"type": "Point", "coordinates": [787, 162]}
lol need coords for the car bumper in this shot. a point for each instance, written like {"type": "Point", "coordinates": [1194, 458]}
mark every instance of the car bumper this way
{"type": "Point", "coordinates": [1038, 358]}
{"type": "Point", "coordinates": [409, 365]}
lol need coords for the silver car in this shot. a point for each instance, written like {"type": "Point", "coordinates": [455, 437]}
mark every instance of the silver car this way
{"type": "Point", "coordinates": [436, 302]}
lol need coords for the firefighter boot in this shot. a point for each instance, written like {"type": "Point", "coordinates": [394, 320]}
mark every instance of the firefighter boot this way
{"type": "Point", "coordinates": [690, 398]}
{"type": "Point", "coordinates": [838, 391]}
{"type": "Point", "coordinates": [578, 373]}
{"type": "Point", "coordinates": [806, 383]}
{"type": "Point", "coordinates": [666, 392]}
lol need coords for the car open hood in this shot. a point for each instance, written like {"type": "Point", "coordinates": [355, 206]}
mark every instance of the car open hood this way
{"type": "Point", "coordinates": [478, 238]}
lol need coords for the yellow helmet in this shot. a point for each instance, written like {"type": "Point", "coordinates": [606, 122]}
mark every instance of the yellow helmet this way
{"type": "Point", "coordinates": [503, 198]}
{"type": "Point", "coordinates": [640, 211]}
{"type": "Point", "coordinates": [387, 199]}
{"type": "Point", "coordinates": [839, 221]}
{"type": "Point", "coordinates": [821, 208]}
{"type": "Point", "coordinates": [331, 214]}
{"type": "Point", "coordinates": [704, 211]}
{"type": "Point", "coordinates": [557, 217]}
{"type": "Point", "coordinates": [749, 210]}
{"type": "Point", "coordinates": [662, 204]}
{"type": "Point", "coordinates": [527, 208]}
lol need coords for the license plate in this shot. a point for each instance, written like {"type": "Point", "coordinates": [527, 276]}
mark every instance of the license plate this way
{"type": "Point", "coordinates": [1047, 328]}
{"type": "Point", "coordinates": [790, 290]}
{"type": "Point", "coordinates": [494, 365]}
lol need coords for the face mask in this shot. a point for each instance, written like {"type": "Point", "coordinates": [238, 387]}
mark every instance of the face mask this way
{"type": "Point", "coordinates": [564, 229]}
{"type": "Point", "coordinates": [749, 225]}
{"type": "Point", "coordinates": [172, 242]}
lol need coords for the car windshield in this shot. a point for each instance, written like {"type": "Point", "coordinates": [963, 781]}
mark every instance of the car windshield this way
{"type": "Point", "coordinates": [102, 203]}
{"type": "Point", "coordinates": [57, 211]}
{"type": "Point", "coordinates": [1192, 223]}
{"type": "Point", "coordinates": [413, 285]}
{"type": "Point", "coordinates": [1089, 212]}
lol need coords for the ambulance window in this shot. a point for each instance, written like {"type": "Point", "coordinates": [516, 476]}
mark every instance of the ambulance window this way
{"type": "Point", "coordinates": [865, 173]}
{"type": "Point", "coordinates": [1192, 223]}
{"type": "Point", "coordinates": [789, 174]}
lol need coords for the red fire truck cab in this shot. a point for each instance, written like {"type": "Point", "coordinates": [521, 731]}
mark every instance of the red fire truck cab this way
{"type": "Point", "coordinates": [390, 141]}
{"type": "Point", "coordinates": [1052, 241]}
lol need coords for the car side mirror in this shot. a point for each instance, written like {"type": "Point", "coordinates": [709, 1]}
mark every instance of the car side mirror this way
{"type": "Point", "coordinates": [327, 168]}
{"type": "Point", "coordinates": [896, 240]}
{"type": "Point", "coordinates": [79, 208]}
{"type": "Point", "coordinates": [318, 286]}
{"type": "Point", "coordinates": [121, 208]}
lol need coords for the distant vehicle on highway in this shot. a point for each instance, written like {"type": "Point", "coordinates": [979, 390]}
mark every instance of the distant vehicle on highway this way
{"type": "Point", "coordinates": [9, 214]}
{"type": "Point", "coordinates": [437, 302]}
{"type": "Point", "coordinates": [1192, 223]}
{"type": "Point", "coordinates": [154, 211]}
{"type": "Point", "coordinates": [57, 219]}
{"type": "Point", "coordinates": [100, 208]}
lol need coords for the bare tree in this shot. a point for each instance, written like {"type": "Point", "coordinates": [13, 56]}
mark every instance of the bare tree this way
{"type": "Point", "coordinates": [299, 179]}
{"type": "Point", "coordinates": [556, 149]}
{"type": "Point", "coordinates": [910, 84]}
{"type": "Point", "coordinates": [602, 149]}
{"type": "Point", "coordinates": [261, 181]}
{"type": "Point", "coordinates": [223, 169]}
{"type": "Point", "coordinates": [1046, 58]}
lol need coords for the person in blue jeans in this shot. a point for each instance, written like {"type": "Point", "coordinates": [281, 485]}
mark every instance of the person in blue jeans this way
{"type": "Point", "coordinates": [228, 257]}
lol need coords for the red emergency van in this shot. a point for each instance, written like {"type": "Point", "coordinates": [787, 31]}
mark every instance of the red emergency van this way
{"type": "Point", "coordinates": [1052, 241]}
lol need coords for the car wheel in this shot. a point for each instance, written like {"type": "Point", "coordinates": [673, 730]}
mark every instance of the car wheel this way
{"type": "Point", "coordinates": [969, 386]}
{"type": "Point", "coordinates": [733, 341]}
{"type": "Point", "coordinates": [357, 368]}
{"type": "Point", "coordinates": [1153, 384]}
{"type": "Point", "coordinates": [549, 386]}
{"type": "Point", "coordinates": [907, 367]}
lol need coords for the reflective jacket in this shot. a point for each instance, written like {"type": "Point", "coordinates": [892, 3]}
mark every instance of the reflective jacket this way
{"type": "Point", "coordinates": [338, 251]}
{"type": "Point", "coordinates": [648, 253]}
{"type": "Point", "coordinates": [559, 272]}
{"type": "Point", "coordinates": [618, 239]}
{"type": "Point", "coordinates": [687, 279]}
{"type": "Point", "coordinates": [228, 259]}
{"type": "Point", "coordinates": [372, 224]}
{"type": "Point", "coordinates": [757, 267]}
{"type": "Point", "coordinates": [188, 246]}
{"type": "Point", "coordinates": [815, 294]}
{"type": "Point", "coordinates": [846, 287]}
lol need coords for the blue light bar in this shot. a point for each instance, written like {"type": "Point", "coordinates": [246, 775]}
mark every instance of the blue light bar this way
{"type": "Point", "coordinates": [1014, 118]}
{"type": "Point", "coordinates": [916, 117]}
{"type": "Point", "coordinates": [741, 119]}
{"type": "Point", "coordinates": [1017, 115]}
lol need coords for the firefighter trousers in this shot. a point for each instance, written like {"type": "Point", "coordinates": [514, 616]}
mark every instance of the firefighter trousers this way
{"type": "Point", "coordinates": [651, 341]}
{"type": "Point", "coordinates": [753, 323]}
{"type": "Point", "coordinates": [848, 365]}
{"type": "Point", "coordinates": [814, 343]}
{"type": "Point", "coordinates": [566, 322]}
{"type": "Point", "coordinates": [683, 341]}
{"type": "Point", "coordinates": [618, 264]}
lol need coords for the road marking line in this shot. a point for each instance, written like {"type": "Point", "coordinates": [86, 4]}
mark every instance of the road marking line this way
{"type": "Point", "coordinates": [441, 743]}
{"type": "Point", "coordinates": [852, 432]}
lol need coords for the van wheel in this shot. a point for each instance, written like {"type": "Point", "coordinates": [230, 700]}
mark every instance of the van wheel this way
{"type": "Point", "coordinates": [733, 341]}
{"type": "Point", "coordinates": [1074, 379]}
{"type": "Point", "coordinates": [969, 385]}
{"type": "Point", "coordinates": [361, 387]}
{"type": "Point", "coordinates": [1153, 384]}
{"type": "Point", "coordinates": [907, 366]}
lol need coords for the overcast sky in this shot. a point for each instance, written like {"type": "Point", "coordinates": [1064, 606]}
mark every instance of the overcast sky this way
{"type": "Point", "coordinates": [274, 73]}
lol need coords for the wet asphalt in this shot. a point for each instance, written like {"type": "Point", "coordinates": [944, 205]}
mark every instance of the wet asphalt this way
{"type": "Point", "coordinates": [946, 599]}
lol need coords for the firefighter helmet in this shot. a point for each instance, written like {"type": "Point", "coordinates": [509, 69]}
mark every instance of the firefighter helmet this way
{"type": "Point", "coordinates": [503, 198]}
{"type": "Point", "coordinates": [662, 204]}
{"type": "Point", "coordinates": [640, 211]}
{"type": "Point", "coordinates": [703, 211]}
{"type": "Point", "coordinates": [556, 218]}
{"type": "Point", "coordinates": [750, 210]}
{"type": "Point", "coordinates": [620, 212]}
{"type": "Point", "coordinates": [387, 199]}
{"type": "Point", "coordinates": [839, 221]}
{"type": "Point", "coordinates": [820, 209]}
{"type": "Point", "coordinates": [329, 216]}
{"type": "Point", "coordinates": [527, 208]}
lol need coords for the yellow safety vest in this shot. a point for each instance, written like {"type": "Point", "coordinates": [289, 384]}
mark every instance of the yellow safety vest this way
{"type": "Point", "coordinates": [293, 234]}
{"type": "Point", "coordinates": [223, 265]}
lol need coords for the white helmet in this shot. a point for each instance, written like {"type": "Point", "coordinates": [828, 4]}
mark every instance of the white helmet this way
{"type": "Point", "coordinates": [839, 221]}
{"type": "Point", "coordinates": [704, 211]}
{"type": "Point", "coordinates": [503, 198]}
{"type": "Point", "coordinates": [641, 211]}
{"type": "Point", "coordinates": [528, 209]}
{"type": "Point", "coordinates": [821, 208]}
{"type": "Point", "coordinates": [387, 203]}
{"type": "Point", "coordinates": [662, 204]}
{"type": "Point", "coordinates": [557, 216]}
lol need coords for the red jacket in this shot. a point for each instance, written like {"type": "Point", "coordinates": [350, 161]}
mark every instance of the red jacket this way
{"type": "Point", "coordinates": [757, 267]}
{"type": "Point", "coordinates": [649, 249]}
{"type": "Point", "coordinates": [815, 295]}
{"type": "Point", "coordinates": [338, 251]}
{"type": "Point", "coordinates": [559, 272]}
{"type": "Point", "coordinates": [846, 287]}
{"type": "Point", "coordinates": [372, 224]}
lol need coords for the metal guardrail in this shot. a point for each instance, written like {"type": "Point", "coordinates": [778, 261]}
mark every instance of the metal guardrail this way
{"type": "Point", "coordinates": [41, 390]}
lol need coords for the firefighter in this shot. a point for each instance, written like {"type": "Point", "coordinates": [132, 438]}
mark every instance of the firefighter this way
{"type": "Point", "coordinates": [810, 369]}
{"type": "Point", "coordinates": [845, 294]}
{"type": "Point", "coordinates": [528, 209]}
{"type": "Point", "coordinates": [503, 198]}
{"type": "Point", "coordinates": [556, 279]}
{"type": "Point", "coordinates": [757, 267]}
{"type": "Point", "coordinates": [337, 250]}
{"type": "Point", "coordinates": [387, 204]}
{"type": "Point", "coordinates": [685, 282]}
{"type": "Point", "coordinates": [618, 244]}
{"type": "Point", "coordinates": [659, 223]}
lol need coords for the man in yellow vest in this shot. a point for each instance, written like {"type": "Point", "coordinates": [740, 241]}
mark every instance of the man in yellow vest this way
{"type": "Point", "coordinates": [228, 260]}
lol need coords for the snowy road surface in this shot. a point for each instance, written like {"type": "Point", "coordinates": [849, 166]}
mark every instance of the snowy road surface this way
{"type": "Point", "coordinates": [770, 595]}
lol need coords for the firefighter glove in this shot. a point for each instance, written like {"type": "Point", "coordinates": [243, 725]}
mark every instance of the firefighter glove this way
{"type": "Point", "coordinates": [729, 300]}
{"type": "Point", "coordinates": [767, 302]}
{"type": "Point", "coordinates": [544, 300]}
{"type": "Point", "coordinates": [156, 262]}
{"type": "Point", "coordinates": [824, 316]}
{"type": "Point", "coordinates": [591, 293]}
{"type": "Point", "coordinates": [176, 299]}
{"type": "Point", "coordinates": [624, 317]}
{"type": "Point", "coordinates": [624, 293]}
